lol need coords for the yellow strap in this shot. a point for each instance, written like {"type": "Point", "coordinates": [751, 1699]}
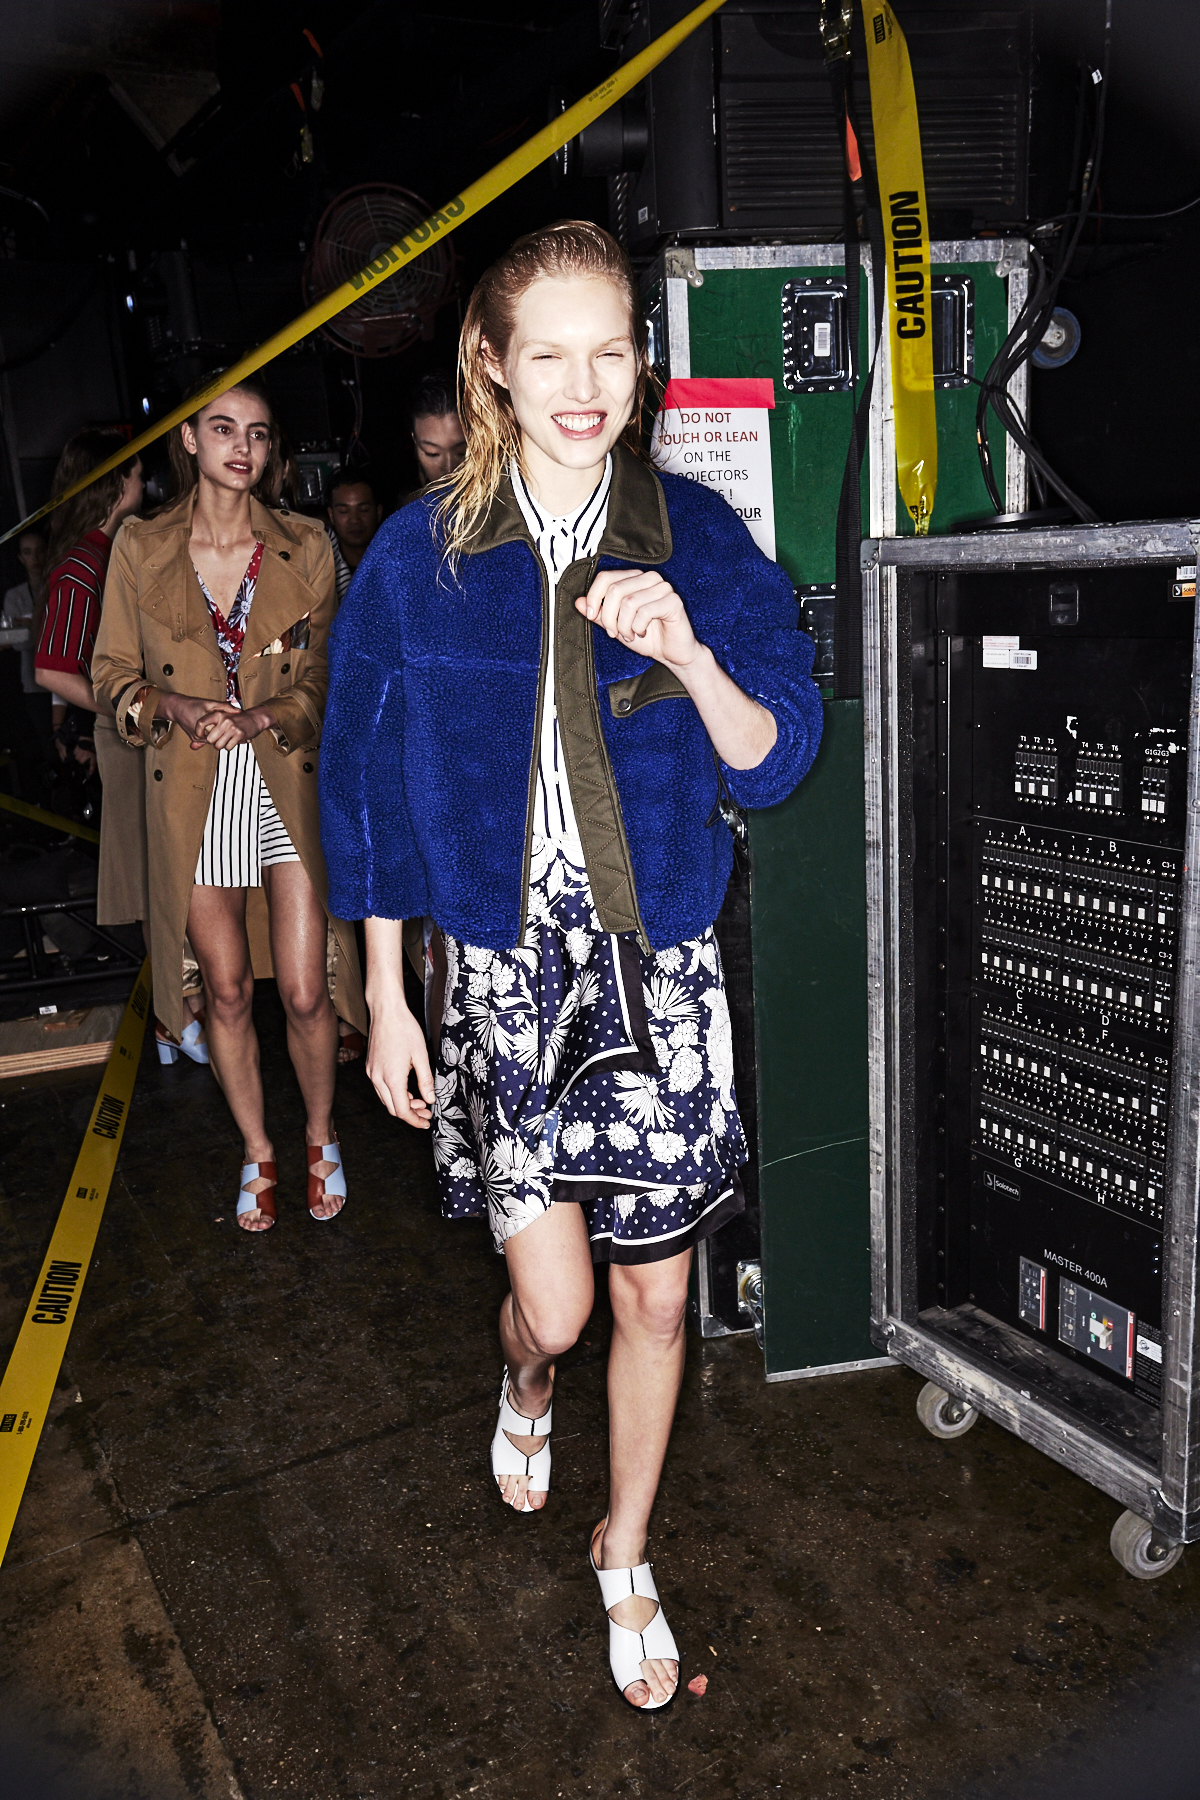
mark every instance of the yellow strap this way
{"type": "Point", "coordinates": [448, 218]}
{"type": "Point", "coordinates": [13, 805]}
{"type": "Point", "coordinates": [906, 229]}
{"type": "Point", "coordinates": [28, 1385]}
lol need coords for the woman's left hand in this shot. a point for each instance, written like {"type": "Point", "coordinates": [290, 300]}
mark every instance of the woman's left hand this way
{"type": "Point", "coordinates": [224, 728]}
{"type": "Point", "coordinates": [644, 612]}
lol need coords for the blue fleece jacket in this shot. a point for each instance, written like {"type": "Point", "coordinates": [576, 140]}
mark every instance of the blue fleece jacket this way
{"type": "Point", "coordinates": [430, 725]}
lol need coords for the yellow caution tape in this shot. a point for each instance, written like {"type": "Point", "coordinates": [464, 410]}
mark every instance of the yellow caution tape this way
{"type": "Point", "coordinates": [42, 817]}
{"type": "Point", "coordinates": [28, 1385]}
{"type": "Point", "coordinates": [448, 218]}
{"type": "Point", "coordinates": [906, 224]}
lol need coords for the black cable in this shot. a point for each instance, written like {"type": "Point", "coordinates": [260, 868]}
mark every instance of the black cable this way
{"type": "Point", "coordinates": [1027, 332]}
{"type": "Point", "coordinates": [1173, 213]}
{"type": "Point", "coordinates": [1124, 218]}
{"type": "Point", "coordinates": [26, 200]}
{"type": "Point", "coordinates": [356, 453]}
{"type": "Point", "coordinates": [1031, 323]}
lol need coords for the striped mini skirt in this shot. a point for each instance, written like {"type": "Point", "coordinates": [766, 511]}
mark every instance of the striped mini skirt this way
{"type": "Point", "coordinates": [243, 834]}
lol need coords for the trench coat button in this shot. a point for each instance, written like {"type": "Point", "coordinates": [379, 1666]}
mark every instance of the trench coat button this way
{"type": "Point", "coordinates": [158, 774]}
{"type": "Point", "coordinates": [623, 706]}
{"type": "Point", "coordinates": [284, 667]}
{"type": "Point", "coordinates": [168, 669]}
{"type": "Point", "coordinates": [285, 556]}
{"type": "Point", "coordinates": [308, 768]}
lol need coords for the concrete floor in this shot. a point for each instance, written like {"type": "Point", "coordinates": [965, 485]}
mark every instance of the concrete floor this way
{"type": "Point", "coordinates": [259, 1556]}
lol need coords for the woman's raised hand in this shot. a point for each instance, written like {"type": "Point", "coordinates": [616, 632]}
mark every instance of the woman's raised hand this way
{"type": "Point", "coordinates": [644, 612]}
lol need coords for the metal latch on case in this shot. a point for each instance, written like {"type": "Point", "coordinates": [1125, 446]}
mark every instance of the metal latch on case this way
{"type": "Point", "coordinates": [750, 1296]}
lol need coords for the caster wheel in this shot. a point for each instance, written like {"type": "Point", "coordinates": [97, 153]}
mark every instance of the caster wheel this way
{"type": "Point", "coordinates": [1140, 1550]}
{"type": "Point", "coordinates": [941, 1414]}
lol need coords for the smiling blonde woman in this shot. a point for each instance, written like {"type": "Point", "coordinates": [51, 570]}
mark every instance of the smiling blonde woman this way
{"type": "Point", "coordinates": [546, 681]}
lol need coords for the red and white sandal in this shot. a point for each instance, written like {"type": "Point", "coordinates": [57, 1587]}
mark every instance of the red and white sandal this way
{"type": "Point", "coordinates": [333, 1184]}
{"type": "Point", "coordinates": [257, 1194]}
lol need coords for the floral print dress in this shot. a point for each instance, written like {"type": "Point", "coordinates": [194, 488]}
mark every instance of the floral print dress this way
{"type": "Point", "coordinates": [579, 1068]}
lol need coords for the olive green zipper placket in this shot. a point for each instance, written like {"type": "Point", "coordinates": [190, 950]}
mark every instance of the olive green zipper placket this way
{"type": "Point", "coordinates": [643, 937]}
{"type": "Point", "coordinates": [586, 829]}
{"type": "Point", "coordinates": [531, 789]}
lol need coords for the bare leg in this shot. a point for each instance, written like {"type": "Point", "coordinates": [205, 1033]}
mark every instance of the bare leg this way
{"type": "Point", "coordinates": [645, 1368]}
{"type": "Point", "coordinates": [217, 929]}
{"type": "Point", "coordinates": [298, 929]}
{"type": "Point", "coordinates": [550, 1274]}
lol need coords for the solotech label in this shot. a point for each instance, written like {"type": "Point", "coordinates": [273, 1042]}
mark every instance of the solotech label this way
{"type": "Point", "coordinates": [906, 229]}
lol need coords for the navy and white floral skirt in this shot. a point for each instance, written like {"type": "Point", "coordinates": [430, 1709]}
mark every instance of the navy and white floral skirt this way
{"type": "Point", "coordinates": [580, 1069]}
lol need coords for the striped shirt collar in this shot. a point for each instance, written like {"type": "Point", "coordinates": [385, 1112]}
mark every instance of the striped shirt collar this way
{"type": "Point", "coordinates": [581, 529]}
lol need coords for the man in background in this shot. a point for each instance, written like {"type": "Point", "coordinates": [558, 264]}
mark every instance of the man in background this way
{"type": "Point", "coordinates": [436, 432]}
{"type": "Point", "coordinates": [354, 518]}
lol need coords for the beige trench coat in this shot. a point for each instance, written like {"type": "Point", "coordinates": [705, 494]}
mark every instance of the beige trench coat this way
{"type": "Point", "coordinates": [155, 633]}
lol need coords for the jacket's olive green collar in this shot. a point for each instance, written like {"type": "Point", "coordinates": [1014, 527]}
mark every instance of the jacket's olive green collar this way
{"type": "Point", "coordinates": [637, 529]}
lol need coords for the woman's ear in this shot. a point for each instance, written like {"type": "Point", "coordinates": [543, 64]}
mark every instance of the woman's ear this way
{"type": "Point", "coordinates": [495, 370]}
{"type": "Point", "coordinates": [188, 437]}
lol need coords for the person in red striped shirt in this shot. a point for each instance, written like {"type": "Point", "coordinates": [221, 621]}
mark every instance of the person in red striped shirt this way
{"type": "Point", "coordinates": [81, 534]}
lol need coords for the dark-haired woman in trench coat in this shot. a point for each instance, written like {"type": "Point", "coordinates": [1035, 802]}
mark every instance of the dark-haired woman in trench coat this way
{"type": "Point", "coordinates": [211, 657]}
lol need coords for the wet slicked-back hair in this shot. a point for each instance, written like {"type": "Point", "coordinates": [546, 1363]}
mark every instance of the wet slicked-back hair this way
{"type": "Point", "coordinates": [572, 247]}
{"type": "Point", "coordinates": [433, 397]}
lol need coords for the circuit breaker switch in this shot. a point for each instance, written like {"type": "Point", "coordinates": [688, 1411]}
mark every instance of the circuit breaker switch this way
{"type": "Point", "coordinates": [1100, 1330]}
{"type": "Point", "coordinates": [1091, 1324]}
{"type": "Point", "coordinates": [1098, 778]}
{"type": "Point", "coordinates": [1032, 1304]}
{"type": "Point", "coordinates": [1035, 771]}
{"type": "Point", "coordinates": [1156, 781]}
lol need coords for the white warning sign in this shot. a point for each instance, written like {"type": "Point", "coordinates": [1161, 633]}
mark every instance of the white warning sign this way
{"type": "Point", "coordinates": [718, 431]}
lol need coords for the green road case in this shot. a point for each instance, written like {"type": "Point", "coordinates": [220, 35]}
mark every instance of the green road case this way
{"type": "Point", "coordinates": [794, 928]}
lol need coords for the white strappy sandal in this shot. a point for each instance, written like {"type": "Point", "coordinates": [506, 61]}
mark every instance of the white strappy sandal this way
{"type": "Point", "coordinates": [628, 1650]}
{"type": "Point", "coordinates": [508, 1460]}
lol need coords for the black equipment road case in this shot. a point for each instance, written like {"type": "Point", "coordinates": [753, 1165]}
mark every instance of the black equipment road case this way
{"type": "Point", "coordinates": [1032, 718]}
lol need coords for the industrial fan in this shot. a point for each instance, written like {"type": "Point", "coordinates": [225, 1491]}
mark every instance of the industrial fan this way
{"type": "Point", "coordinates": [356, 228]}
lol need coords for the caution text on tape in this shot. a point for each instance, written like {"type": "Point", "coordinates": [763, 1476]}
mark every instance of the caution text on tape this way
{"type": "Point", "coordinates": [28, 1384]}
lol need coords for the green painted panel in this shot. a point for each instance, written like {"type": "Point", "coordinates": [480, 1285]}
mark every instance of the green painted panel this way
{"type": "Point", "coordinates": [809, 935]}
{"type": "Point", "coordinates": [735, 323]}
{"type": "Point", "coordinates": [960, 490]}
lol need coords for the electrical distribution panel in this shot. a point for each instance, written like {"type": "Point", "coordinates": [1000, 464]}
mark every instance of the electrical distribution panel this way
{"type": "Point", "coordinates": [1047, 719]}
{"type": "Point", "coordinates": [1034, 928]}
